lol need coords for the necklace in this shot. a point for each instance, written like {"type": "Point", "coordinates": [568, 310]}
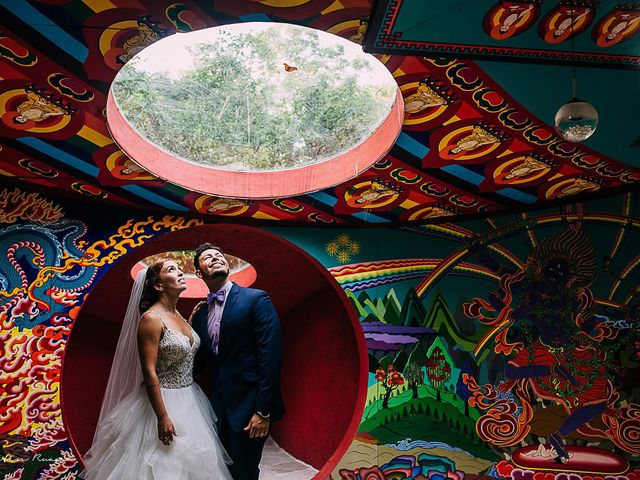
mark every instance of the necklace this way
{"type": "Point", "coordinates": [552, 350]}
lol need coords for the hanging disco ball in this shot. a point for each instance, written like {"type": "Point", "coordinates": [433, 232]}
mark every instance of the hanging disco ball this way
{"type": "Point", "coordinates": [576, 120]}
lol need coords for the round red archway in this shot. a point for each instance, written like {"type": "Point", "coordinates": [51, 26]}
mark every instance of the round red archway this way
{"type": "Point", "coordinates": [324, 377]}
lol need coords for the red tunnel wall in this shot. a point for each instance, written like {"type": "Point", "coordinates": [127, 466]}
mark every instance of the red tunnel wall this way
{"type": "Point", "coordinates": [325, 358]}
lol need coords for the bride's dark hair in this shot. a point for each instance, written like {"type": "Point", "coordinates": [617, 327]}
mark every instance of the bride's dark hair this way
{"type": "Point", "coordinates": [149, 294]}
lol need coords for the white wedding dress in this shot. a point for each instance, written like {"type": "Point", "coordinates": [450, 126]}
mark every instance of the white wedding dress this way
{"type": "Point", "coordinates": [126, 445]}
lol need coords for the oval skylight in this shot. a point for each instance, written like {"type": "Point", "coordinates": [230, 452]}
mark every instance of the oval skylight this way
{"type": "Point", "coordinates": [254, 98]}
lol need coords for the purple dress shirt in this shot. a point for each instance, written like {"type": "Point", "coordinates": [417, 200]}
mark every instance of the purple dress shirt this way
{"type": "Point", "coordinates": [214, 316]}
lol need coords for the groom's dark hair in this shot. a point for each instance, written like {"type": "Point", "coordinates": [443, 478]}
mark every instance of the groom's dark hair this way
{"type": "Point", "coordinates": [201, 248]}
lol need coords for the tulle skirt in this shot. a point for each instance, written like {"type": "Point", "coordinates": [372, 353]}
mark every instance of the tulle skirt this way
{"type": "Point", "coordinates": [126, 445]}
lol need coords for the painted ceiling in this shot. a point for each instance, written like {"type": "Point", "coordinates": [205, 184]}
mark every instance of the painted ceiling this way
{"type": "Point", "coordinates": [479, 101]}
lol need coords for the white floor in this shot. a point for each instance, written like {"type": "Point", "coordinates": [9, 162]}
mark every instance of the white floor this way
{"type": "Point", "coordinates": [279, 465]}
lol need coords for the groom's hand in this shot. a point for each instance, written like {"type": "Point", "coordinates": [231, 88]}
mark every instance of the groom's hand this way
{"type": "Point", "coordinates": [257, 426]}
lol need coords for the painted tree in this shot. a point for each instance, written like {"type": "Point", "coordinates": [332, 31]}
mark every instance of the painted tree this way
{"type": "Point", "coordinates": [414, 376]}
{"type": "Point", "coordinates": [390, 379]}
{"type": "Point", "coordinates": [461, 388]}
{"type": "Point", "coordinates": [438, 370]}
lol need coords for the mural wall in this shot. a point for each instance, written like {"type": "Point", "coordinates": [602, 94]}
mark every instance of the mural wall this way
{"type": "Point", "coordinates": [503, 348]}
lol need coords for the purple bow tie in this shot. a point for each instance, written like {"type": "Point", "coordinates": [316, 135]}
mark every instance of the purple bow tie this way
{"type": "Point", "coordinates": [215, 297]}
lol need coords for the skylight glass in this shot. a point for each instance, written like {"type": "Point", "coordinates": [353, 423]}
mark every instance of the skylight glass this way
{"type": "Point", "coordinates": [254, 96]}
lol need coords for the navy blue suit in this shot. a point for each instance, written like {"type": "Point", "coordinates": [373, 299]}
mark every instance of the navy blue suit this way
{"type": "Point", "coordinates": [246, 372]}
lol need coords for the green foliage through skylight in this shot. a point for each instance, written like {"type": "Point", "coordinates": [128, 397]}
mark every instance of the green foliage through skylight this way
{"type": "Point", "coordinates": [271, 98]}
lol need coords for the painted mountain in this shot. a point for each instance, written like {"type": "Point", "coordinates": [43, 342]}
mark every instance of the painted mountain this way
{"type": "Point", "coordinates": [392, 327]}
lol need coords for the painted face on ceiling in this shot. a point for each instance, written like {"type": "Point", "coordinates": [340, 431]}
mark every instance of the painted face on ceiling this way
{"type": "Point", "coordinates": [556, 271]}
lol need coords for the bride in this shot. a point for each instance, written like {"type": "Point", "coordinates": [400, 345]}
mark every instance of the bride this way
{"type": "Point", "coordinates": [155, 423]}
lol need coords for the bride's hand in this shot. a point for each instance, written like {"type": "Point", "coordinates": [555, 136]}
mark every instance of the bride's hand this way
{"type": "Point", "coordinates": [166, 431]}
{"type": "Point", "coordinates": [195, 309]}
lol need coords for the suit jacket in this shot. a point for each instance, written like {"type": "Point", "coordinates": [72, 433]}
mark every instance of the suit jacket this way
{"type": "Point", "coordinates": [246, 368]}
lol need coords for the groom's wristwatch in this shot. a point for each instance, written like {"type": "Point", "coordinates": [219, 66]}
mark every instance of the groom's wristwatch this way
{"type": "Point", "coordinates": [264, 416]}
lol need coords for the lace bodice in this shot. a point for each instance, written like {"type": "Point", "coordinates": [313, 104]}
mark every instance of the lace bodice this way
{"type": "Point", "coordinates": [174, 366]}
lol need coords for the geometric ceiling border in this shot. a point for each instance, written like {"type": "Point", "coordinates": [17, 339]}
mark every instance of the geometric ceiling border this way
{"type": "Point", "coordinates": [260, 220]}
{"type": "Point", "coordinates": [382, 37]}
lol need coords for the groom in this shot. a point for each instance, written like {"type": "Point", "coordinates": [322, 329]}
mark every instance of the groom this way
{"type": "Point", "coordinates": [241, 341]}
